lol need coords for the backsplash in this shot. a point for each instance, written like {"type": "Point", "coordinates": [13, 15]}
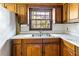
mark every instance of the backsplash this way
{"type": "Point", "coordinates": [73, 28]}
{"type": "Point", "coordinates": [56, 28]}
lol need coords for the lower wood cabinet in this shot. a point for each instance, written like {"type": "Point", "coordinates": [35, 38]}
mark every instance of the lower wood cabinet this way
{"type": "Point", "coordinates": [51, 50]}
{"type": "Point", "coordinates": [68, 49]}
{"type": "Point", "coordinates": [51, 47]}
{"type": "Point", "coordinates": [43, 47]}
{"type": "Point", "coordinates": [16, 50]}
{"type": "Point", "coordinates": [32, 50]}
{"type": "Point", "coordinates": [36, 47]}
{"type": "Point", "coordinates": [77, 51]}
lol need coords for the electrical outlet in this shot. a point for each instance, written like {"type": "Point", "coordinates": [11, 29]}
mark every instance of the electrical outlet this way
{"type": "Point", "coordinates": [67, 28]}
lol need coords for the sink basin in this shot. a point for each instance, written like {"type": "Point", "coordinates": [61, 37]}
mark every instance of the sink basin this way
{"type": "Point", "coordinates": [41, 35]}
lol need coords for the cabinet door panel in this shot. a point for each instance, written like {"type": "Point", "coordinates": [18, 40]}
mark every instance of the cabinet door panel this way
{"type": "Point", "coordinates": [36, 50]}
{"type": "Point", "coordinates": [77, 51]}
{"type": "Point", "coordinates": [68, 49]}
{"type": "Point", "coordinates": [68, 52]}
{"type": "Point", "coordinates": [22, 13]}
{"type": "Point", "coordinates": [59, 16]}
{"type": "Point", "coordinates": [51, 49]}
{"type": "Point", "coordinates": [69, 45]}
{"type": "Point", "coordinates": [17, 50]}
{"type": "Point", "coordinates": [32, 50]}
{"type": "Point", "coordinates": [11, 7]}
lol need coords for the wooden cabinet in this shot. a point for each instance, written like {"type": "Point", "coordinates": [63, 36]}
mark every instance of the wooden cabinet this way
{"type": "Point", "coordinates": [77, 50]}
{"type": "Point", "coordinates": [32, 50]}
{"type": "Point", "coordinates": [27, 47]}
{"type": "Point", "coordinates": [68, 49]}
{"type": "Point", "coordinates": [65, 13]}
{"type": "Point", "coordinates": [59, 15]}
{"type": "Point", "coordinates": [11, 7]}
{"type": "Point", "coordinates": [51, 47]}
{"type": "Point", "coordinates": [70, 12]}
{"type": "Point", "coordinates": [36, 47]}
{"type": "Point", "coordinates": [73, 12]}
{"type": "Point", "coordinates": [43, 47]}
{"type": "Point", "coordinates": [22, 11]}
{"type": "Point", "coordinates": [16, 48]}
{"type": "Point", "coordinates": [32, 47]}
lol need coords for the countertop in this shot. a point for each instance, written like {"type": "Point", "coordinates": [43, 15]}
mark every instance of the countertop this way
{"type": "Point", "coordinates": [68, 37]}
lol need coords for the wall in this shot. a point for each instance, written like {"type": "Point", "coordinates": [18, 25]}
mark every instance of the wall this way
{"type": "Point", "coordinates": [73, 28]}
{"type": "Point", "coordinates": [56, 28]}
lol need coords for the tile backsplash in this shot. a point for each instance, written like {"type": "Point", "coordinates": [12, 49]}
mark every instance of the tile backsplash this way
{"type": "Point", "coordinates": [73, 28]}
{"type": "Point", "coordinates": [56, 28]}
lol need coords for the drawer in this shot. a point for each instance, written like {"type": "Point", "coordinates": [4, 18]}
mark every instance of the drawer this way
{"type": "Point", "coordinates": [69, 45]}
{"type": "Point", "coordinates": [16, 41]}
{"type": "Point", "coordinates": [31, 40]}
{"type": "Point", "coordinates": [51, 40]}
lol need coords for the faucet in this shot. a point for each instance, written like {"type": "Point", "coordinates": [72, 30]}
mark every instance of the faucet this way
{"type": "Point", "coordinates": [40, 33]}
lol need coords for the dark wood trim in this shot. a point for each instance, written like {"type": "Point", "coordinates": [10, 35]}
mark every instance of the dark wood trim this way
{"type": "Point", "coordinates": [61, 14]}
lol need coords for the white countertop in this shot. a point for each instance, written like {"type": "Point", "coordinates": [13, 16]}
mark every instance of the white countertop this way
{"type": "Point", "coordinates": [70, 38]}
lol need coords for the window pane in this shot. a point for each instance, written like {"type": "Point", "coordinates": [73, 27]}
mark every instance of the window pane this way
{"type": "Point", "coordinates": [40, 19]}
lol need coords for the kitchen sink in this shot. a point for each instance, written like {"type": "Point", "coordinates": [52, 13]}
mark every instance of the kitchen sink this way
{"type": "Point", "coordinates": [41, 35]}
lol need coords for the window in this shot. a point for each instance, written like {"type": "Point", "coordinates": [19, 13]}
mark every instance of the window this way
{"type": "Point", "coordinates": [40, 18]}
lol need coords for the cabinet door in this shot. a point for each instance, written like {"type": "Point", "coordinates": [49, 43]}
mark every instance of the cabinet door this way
{"type": "Point", "coordinates": [22, 11]}
{"type": "Point", "coordinates": [68, 52]}
{"type": "Point", "coordinates": [74, 11]}
{"type": "Point", "coordinates": [11, 7]}
{"type": "Point", "coordinates": [51, 47]}
{"type": "Point", "coordinates": [77, 51]}
{"type": "Point", "coordinates": [51, 50]}
{"type": "Point", "coordinates": [65, 13]}
{"type": "Point", "coordinates": [17, 50]}
{"type": "Point", "coordinates": [68, 49]}
{"type": "Point", "coordinates": [59, 15]}
{"type": "Point", "coordinates": [32, 50]}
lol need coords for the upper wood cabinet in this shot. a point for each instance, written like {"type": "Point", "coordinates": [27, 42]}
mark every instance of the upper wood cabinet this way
{"type": "Point", "coordinates": [11, 7]}
{"type": "Point", "coordinates": [22, 11]}
{"type": "Point", "coordinates": [73, 11]}
{"type": "Point", "coordinates": [65, 12]}
{"type": "Point", "coordinates": [59, 15]}
{"type": "Point", "coordinates": [70, 12]}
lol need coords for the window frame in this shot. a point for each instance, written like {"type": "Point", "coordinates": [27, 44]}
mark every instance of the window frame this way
{"type": "Point", "coordinates": [30, 20]}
